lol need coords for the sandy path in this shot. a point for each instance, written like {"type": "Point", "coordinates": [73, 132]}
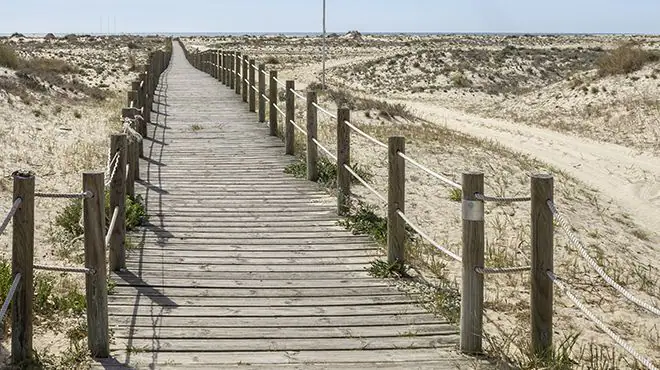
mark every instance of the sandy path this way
{"type": "Point", "coordinates": [629, 177]}
{"type": "Point", "coordinates": [623, 174]}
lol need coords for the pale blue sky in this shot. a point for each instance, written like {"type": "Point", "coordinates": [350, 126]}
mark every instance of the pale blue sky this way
{"type": "Point", "coordinates": [532, 16]}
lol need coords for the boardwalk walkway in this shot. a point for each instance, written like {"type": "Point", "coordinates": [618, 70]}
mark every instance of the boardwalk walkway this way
{"type": "Point", "coordinates": [242, 264]}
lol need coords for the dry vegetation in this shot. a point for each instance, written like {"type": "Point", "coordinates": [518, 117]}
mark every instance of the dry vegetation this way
{"type": "Point", "coordinates": [591, 86]}
{"type": "Point", "coordinates": [60, 98]}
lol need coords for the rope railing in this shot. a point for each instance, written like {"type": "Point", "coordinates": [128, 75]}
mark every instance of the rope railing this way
{"type": "Point", "coordinates": [279, 110]}
{"type": "Point", "coordinates": [111, 227]}
{"type": "Point", "coordinates": [265, 98]}
{"type": "Point", "coordinates": [282, 84]}
{"type": "Point", "coordinates": [83, 195]}
{"type": "Point", "coordinates": [598, 322]}
{"type": "Point", "coordinates": [365, 135]}
{"type": "Point", "coordinates": [593, 264]}
{"type": "Point", "coordinates": [112, 164]}
{"type": "Point", "coordinates": [299, 95]}
{"type": "Point", "coordinates": [432, 173]}
{"type": "Point", "coordinates": [364, 183]}
{"type": "Point", "coordinates": [302, 131]}
{"type": "Point", "coordinates": [10, 214]}
{"type": "Point", "coordinates": [324, 149]}
{"type": "Point", "coordinates": [323, 110]}
{"type": "Point", "coordinates": [430, 240]}
{"type": "Point", "coordinates": [10, 296]}
{"type": "Point", "coordinates": [486, 198]}
{"type": "Point", "coordinates": [82, 270]}
{"type": "Point", "coordinates": [501, 270]}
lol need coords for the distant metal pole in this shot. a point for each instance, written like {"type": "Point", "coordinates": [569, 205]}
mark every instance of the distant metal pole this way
{"type": "Point", "coordinates": [324, 47]}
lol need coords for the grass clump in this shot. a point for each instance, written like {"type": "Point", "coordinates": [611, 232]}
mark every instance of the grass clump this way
{"type": "Point", "coordinates": [9, 58]}
{"type": "Point", "coordinates": [327, 171]}
{"type": "Point", "coordinates": [625, 59]}
{"type": "Point", "coordinates": [344, 98]}
{"type": "Point", "coordinates": [382, 269]}
{"type": "Point", "coordinates": [67, 230]}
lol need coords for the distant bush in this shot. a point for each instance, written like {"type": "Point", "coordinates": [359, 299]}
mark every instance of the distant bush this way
{"type": "Point", "coordinates": [9, 58]}
{"type": "Point", "coordinates": [272, 60]}
{"type": "Point", "coordinates": [625, 59]}
{"type": "Point", "coordinates": [344, 98]}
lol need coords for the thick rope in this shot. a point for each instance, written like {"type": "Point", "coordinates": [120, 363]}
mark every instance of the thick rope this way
{"type": "Point", "coordinates": [486, 198]}
{"type": "Point", "coordinates": [428, 171]}
{"type": "Point", "coordinates": [279, 82]}
{"type": "Point", "coordinates": [298, 127]}
{"type": "Point", "coordinates": [323, 149]}
{"type": "Point", "coordinates": [279, 110]}
{"type": "Point", "coordinates": [501, 270]}
{"type": "Point", "coordinates": [83, 195]}
{"type": "Point", "coordinates": [365, 135]}
{"type": "Point", "coordinates": [419, 231]}
{"type": "Point", "coordinates": [108, 235]}
{"type": "Point", "coordinates": [10, 214]}
{"type": "Point", "coordinates": [324, 110]}
{"type": "Point", "coordinates": [364, 183]}
{"type": "Point", "coordinates": [265, 98]}
{"type": "Point", "coordinates": [301, 96]}
{"type": "Point", "coordinates": [82, 270]}
{"type": "Point", "coordinates": [599, 323]}
{"type": "Point", "coordinates": [10, 296]}
{"type": "Point", "coordinates": [590, 261]}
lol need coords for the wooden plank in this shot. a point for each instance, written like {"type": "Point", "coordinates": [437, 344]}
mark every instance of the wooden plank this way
{"type": "Point", "coordinates": [256, 292]}
{"type": "Point", "coordinates": [278, 301]}
{"type": "Point", "coordinates": [394, 321]}
{"type": "Point", "coordinates": [402, 357]}
{"type": "Point", "coordinates": [288, 333]}
{"type": "Point", "coordinates": [257, 345]}
{"type": "Point", "coordinates": [250, 283]}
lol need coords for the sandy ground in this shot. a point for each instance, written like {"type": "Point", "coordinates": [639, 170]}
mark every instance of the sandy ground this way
{"type": "Point", "coordinates": [59, 129]}
{"type": "Point", "coordinates": [605, 163]}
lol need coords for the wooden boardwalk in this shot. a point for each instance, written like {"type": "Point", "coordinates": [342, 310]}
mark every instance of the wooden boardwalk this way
{"type": "Point", "coordinates": [242, 264]}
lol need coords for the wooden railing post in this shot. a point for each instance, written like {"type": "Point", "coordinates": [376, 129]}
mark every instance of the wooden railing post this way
{"type": "Point", "coordinates": [272, 95]}
{"type": "Point", "coordinates": [343, 158]}
{"type": "Point", "coordinates": [312, 129]}
{"type": "Point", "coordinates": [252, 95]}
{"type": "Point", "coordinates": [289, 133]}
{"type": "Point", "coordinates": [22, 263]}
{"type": "Point", "coordinates": [148, 97]}
{"type": "Point", "coordinates": [135, 86]}
{"type": "Point", "coordinates": [472, 294]}
{"type": "Point", "coordinates": [396, 201]}
{"type": "Point", "coordinates": [118, 144]}
{"type": "Point", "coordinates": [96, 286]}
{"type": "Point", "coordinates": [542, 190]}
{"type": "Point", "coordinates": [262, 91]}
{"type": "Point", "coordinates": [237, 72]}
{"type": "Point", "coordinates": [227, 83]}
{"type": "Point", "coordinates": [245, 79]}
{"type": "Point", "coordinates": [232, 71]}
{"type": "Point", "coordinates": [221, 64]}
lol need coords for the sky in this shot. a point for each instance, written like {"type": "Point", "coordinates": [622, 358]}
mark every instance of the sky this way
{"type": "Point", "coordinates": [280, 16]}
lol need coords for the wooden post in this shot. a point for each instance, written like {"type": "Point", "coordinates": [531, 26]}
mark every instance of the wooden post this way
{"type": "Point", "coordinates": [343, 158]}
{"type": "Point", "coordinates": [132, 160]}
{"type": "Point", "coordinates": [131, 98]}
{"type": "Point", "coordinates": [396, 201]}
{"type": "Point", "coordinates": [96, 286]}
{"type": "Point", "coordinates": [252, 95]}
{"type": "Point", "coordinates": [226, 65]}
{"type": "Point", "coordinates": [237, 71]}
{"type": "Point", "coordinates": [232, 71]}
{"type": "Point", "coordinates": [312, 129]}
{"type": "Point", "coordinates": [135, 86]}
{"type": "Point", "coordinates": [472, 294]}
{"type": "Point", "coordinates": [272, 92]}
{"type": "Point", "coordinates": [289, 133]}
{"type": "Point", "coordinates": [221, 68]}
{"type": "Point", "coordinates": [118, 143]}
{"type": "Point", "coordinates": [244, 79]}
{"type": "Point", "coordinates": [542, 190]}
{"type": "Point", "coordinates": [148, 98]}
{"type": "Point", "coordinates": [262, 91]}
{"type": "Point", "coordinates": [22, 262]}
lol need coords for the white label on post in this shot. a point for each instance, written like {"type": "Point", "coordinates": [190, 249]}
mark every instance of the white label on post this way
{"type": "Point", "coordinates": [473, 210]}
